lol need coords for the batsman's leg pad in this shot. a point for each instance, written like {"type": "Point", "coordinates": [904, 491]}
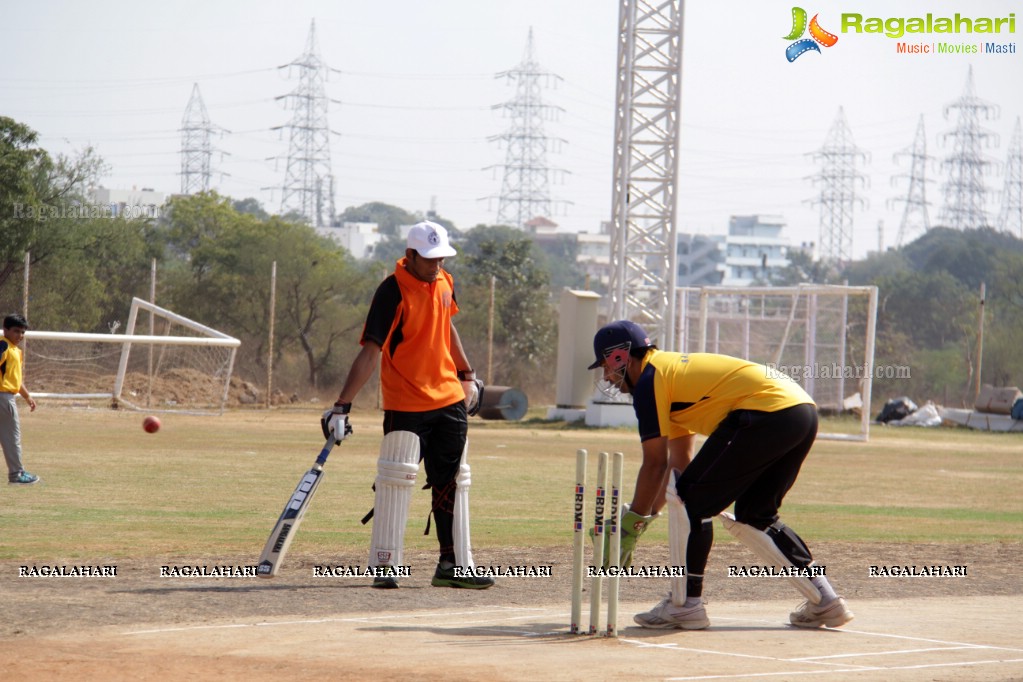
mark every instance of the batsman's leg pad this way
{"type": "Point", "coordinates": [460, 528]}
{"type": "Point", "coordinates": [397, 468]}
{"type": "Point", "coordinates": [678, 537]}
{"type": "Point", "coordinates": [778, 546]}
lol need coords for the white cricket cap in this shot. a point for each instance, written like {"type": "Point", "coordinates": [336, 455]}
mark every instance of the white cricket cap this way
{"type": "Point", "coordinates": [430, 240]}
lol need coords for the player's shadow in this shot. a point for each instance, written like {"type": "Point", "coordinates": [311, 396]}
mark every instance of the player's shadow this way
{"type": "Point", "coordinates": [243, 588]}
{"type": "Point", "coordinates": [556, 632]}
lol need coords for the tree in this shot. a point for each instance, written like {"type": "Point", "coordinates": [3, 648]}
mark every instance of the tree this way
{"type": "Point", "coordinates": [388, 218]}
{"type": "Point", "coordinates": [225, 276]}
{"type": "Point", "coordinates": [525, 334]}
{"type": "Point", "coordinates": [19, 160]}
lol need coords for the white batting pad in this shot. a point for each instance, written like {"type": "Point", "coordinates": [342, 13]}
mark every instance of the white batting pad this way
{"type": "Point", "coordinates": [763, 546]}
{"type": "Point", "coordinates": [460, 530]}
{"type": "Point", "coordinates": [396, 476]}
{"type": "Point", "coordinates": [678, 537]}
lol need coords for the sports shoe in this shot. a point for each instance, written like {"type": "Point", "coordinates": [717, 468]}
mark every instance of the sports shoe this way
{"type": "Point", "coordinates": [385, 582]}
{"type": "Point", "coordinates": [445, 577]}
{"type": "Point", "coordinates": [667, 615]}
{"type": "Point", "coordinates": [831, 614]}
{"type": "Point", "coordinates": [23, 478]}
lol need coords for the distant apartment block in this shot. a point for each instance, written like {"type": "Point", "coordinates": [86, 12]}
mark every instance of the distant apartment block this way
{"type": "Point", "coordinates": [753, 251]}
{"type": "Point", "coordinates": [129, 203]}
{"type": "Point", "coordinates": [357, 238]}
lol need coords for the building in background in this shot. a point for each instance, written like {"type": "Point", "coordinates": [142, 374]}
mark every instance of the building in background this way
{"type": "Point", "coordinates": [358, 238]}
{"type": "Point", "coordinates": [752, 252]}
{"type": "Point", "coordinates": [128, 203]}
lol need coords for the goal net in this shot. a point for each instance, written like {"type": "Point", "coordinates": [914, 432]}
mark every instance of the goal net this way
{"type": "Point", "coordinates": [162, 363]}
{"type": "Point", "coordinates": [820, 336]}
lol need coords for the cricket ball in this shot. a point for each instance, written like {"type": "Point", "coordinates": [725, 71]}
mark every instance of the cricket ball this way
{"type": "Point", "coordinates": [151, 424]}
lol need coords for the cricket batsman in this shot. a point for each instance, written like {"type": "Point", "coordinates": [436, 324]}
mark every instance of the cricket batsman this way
{"type": "Point", "coordinates": [429, 389]}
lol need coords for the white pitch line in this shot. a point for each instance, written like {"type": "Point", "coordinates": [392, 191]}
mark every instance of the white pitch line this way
{"type": "Point", "coordinates": [849, 631]}
{"type": "Point", "coordinates": [927, 640]}
{"type": "Point", "coordinates": [885, 653]}
{"type": "Point", "coordinates": [793, 673]}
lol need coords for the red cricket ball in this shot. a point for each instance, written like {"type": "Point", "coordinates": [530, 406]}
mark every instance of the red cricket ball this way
{"type": "Point", "coordinates": [151, 424]}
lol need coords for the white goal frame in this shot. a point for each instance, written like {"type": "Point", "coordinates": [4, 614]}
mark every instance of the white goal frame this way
{"type": "Point", "coordinates": [202, 336]}
{"type": "Point", "coordinates": [810, 329]}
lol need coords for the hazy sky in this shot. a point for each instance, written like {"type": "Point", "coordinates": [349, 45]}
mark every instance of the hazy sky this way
{"type": "Point", "coordinates": [416, 91]}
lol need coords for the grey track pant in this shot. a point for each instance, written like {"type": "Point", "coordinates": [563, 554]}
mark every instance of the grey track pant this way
{"type": "Point", "coordinates": [10, 433]}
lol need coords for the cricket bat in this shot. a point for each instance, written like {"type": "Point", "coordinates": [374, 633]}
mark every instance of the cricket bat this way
{"type": "Point", "coordinates": [284, 532]}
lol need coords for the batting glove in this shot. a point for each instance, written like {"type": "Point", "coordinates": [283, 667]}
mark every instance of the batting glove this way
{"type": "Point", "coordinates": [335, 422]}
{"type": "Point", "coordinates": [473, 388]}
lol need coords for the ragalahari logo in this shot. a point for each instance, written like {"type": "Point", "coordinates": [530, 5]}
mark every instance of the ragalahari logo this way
{"type": "Point", "coordinates": [803, 45]}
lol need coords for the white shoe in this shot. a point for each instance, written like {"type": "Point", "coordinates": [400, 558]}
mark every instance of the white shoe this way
{"type": "Point", "coordinates": [667, 615]}
{"type": "Point", "coordinates": [832, 614]}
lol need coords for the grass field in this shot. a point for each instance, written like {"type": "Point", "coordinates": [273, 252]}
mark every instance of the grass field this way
{"type": "Point", "coordinates": [213, 486]}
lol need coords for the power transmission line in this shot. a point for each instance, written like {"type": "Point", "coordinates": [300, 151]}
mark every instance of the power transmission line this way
{"type": "Point", "coordinates": [914, 214]}
{"type": "Point", "coordinates": [838, 180]}
{"type": "Point", "coordinates": [1010, 219]}
{"type": "Point", "coordinates": [966, 165]}
{"type": "Point", "coordinates": [308, 178]}
{"type": "Point", "coordinates": [525, 188]}
{"type": "Point", "coordinates": [196, 146]}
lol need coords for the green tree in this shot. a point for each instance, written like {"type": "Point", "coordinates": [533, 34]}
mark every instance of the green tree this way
{"type": "Point", "coordinates": [524, 321]}
{"type": "Point", "coordinates": [226, 277]}
{"type": "Point", "coordinates": [19, 161]}
{"type": "Point", "coordinates": [388, 218]}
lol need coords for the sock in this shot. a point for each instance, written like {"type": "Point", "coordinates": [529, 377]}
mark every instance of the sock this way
{"type": "Point", "coordinates": [827, 591]}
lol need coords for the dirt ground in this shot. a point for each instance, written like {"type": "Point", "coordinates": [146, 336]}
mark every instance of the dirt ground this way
{"type": "Point", "coordinates": [139, 625]}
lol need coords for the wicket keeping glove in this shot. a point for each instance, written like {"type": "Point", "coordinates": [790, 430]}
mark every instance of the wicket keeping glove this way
{"type": "Point", "coordinates": [473, 388]}
{"type": "Point", "coordinates": [335, 422]}
{"type": "Point", "coordinates": [633, 525]}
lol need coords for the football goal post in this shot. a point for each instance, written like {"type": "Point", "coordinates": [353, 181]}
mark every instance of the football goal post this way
{"type": "Point", "coordinates": [820, 336]}
{"type": "Point", "coordinates": [178, 365]}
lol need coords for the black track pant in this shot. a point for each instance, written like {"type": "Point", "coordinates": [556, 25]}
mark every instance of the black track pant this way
{"type": "Point", "coordinates": [751, 459]}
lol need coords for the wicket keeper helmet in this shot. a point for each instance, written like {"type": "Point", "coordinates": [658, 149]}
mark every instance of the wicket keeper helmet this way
{"type": "Point", "coordinates": [615, 341]}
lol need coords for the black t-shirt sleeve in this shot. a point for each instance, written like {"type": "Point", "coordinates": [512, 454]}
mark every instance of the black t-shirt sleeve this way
{"type": "Point", "coordinates": [382, 311]}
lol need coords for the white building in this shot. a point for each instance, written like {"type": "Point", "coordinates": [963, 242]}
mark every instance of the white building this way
{"type": "Point", "coordinates": [130, 203]}
{"type": "Point", "coordinates": [358, 238]}
{"type": "Point", "coordinates": [754, 250]}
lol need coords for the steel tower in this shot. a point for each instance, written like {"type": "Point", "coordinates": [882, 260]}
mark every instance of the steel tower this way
{"type": "Point", "coordinates": [196, 148]}
{"type": "Point", "coordinates": [308, 179]}
{"type": "Point", "coordinates": [966, 165]}
{"type": "Point", "coordinates": [914, 214]}
{"type": "Point", "coordinates": [645, 176]}
{"type": "Point", "coordinates": [525, 189]}
{"type": "Point", "coordinates": [1010, 218]}
{"type": "Point", "coordinates": [838, 180]}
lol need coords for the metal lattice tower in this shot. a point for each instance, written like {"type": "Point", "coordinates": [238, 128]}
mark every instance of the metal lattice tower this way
{"type": "Point", "coordinates": [966, 165]}
{"type": "Point", "coordinates": [525, 189]}
{"type": "Point", "coordinates": [645, 192]}
{"type": "Point", "coordinates": [914, 214]}
{"type": "Point", "coordinates": [838, 180]}
{"type": "Point", "coordinates": [1010, 218]}
{"type": "Point", "coordinates": [196, 147]}
{"type": "Point", "coordinates": [308, 179]}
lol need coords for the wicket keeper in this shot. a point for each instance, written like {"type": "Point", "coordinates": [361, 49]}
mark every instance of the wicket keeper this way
{"type": "Point", "coordinates": [759, 430]}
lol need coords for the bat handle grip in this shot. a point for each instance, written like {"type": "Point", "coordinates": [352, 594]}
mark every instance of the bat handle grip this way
{"type": "Point", "coordinates": [322, 459]}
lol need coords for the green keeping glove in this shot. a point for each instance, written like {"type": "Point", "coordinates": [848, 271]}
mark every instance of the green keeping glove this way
{"type": "Point", "coordinates": [633, 525]}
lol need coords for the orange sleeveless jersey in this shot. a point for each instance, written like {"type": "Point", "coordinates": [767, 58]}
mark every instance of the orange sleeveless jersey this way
{"type": "Point", "coordinates": [411, 321]}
